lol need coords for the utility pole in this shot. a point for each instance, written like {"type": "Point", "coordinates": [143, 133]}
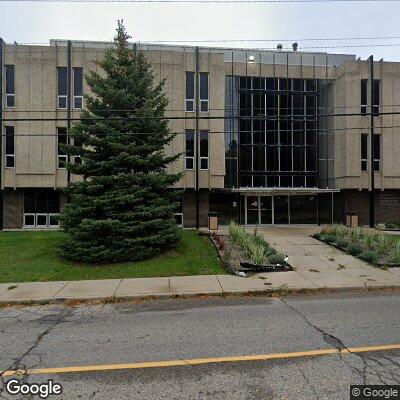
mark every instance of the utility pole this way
{"type": "Point", "coordinates": [372, 172]}
{"type": "Point", "coordinates": [197, 139]}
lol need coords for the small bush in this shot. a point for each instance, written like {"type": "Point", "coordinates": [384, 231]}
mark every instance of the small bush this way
{"type": "Point", "coordinates": [390, 225]}
{"type": "Point", "coordinates": [394, 255]}
{"type": "Point", "coordinates": [276, 259]}
{"type": "Point", "coordinates": [340, 231]}
{"type": "Point", "coordinates": [356, 234]}
{"type": "Point", "coordinates": [354, 249]}
{"type": "Point", "coordinates": [370, 256]}
{"type": "Point", "coordinates": [384, 244]}
{"type": "Point", "coordinates": [370, 240]}
{"type": "Point", "coordinates": [329, 238]}
{"type": "Point", "coordinates": [342, 243]}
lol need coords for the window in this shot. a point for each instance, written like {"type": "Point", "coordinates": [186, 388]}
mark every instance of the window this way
{"type": "Point", "coordinates": [364, 152]}
{"type": "Point", "coordinates": [375, 108]}
{"type": "Point", "coordinates": [78, 143]}
{"type": "Point", "coordinates": [10, 147]}
{"type": "Point", "coordinates": [41, 208]}
{"type": "Point", "coordinates": [62, 139]}
{"type": "Point", "coordinates": [78, 88]}
{"type": "Point", "coordinates": [377, 153]}
{"type": "Point", "coordinates": [364, 91]}
{"type": "Point", "coordinates": [10, 87]}
{"type": "Point", "coordinates": [189, 106]}
{"type": "Point", "coordinates": [204, 91]}
{"type": "Point", "coordinates": [204, 150]}
{"type": "Point", "coordinates": [189, 149]}
{"type": "Point", "coordinates": [62, 87]}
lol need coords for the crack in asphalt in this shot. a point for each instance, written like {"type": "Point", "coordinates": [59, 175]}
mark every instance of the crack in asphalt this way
{"type": "Point", "coordinates": [367, 360]}
{"type": "Point", "coordinates": [313, 389]}
{"type": "Point", "coordinates": [18, 364]}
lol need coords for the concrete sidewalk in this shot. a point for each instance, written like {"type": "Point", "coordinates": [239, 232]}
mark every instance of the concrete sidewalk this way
{"type": "Point", "coordinates": [190, 285]}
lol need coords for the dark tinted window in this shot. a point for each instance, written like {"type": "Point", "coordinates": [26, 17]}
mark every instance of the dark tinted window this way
{"type": "Point", "coordinates": [364, 91]}
{"type": "Point", "coordinates": [377, 147]}
{"type": "Point", "coordinates": [376, 92]}
{"type": "Point", "coordinates": [364, 146]}
{"type": "Point", "coordinates": [62, 139]}
{"type": "Point", "coordinates": [10, 89]}
{"type": "Point", "coordinates": [203, 143]}
{"type": "Point", "coordinates": [189, 143]}
{"type": "Point", "coordinates": [10, 140]}
{"type": "Point", "coordinates": [78, 81]}
{"type": "Point", "coordinates": [203, 85]}
{"type": "Point", "coordinates": [62, 81]}
{"type": "Point", "coordinates": [29, 201]}
{"type": "Point", "coordinates": [190, 85]}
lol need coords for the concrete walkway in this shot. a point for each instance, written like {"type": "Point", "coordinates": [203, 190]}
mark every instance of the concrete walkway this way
{"type": "Point", "coordinates": [316, 266]}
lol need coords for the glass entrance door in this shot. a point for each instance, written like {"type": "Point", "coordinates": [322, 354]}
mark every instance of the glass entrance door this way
{"type": "Point", "coordinates": [252, 204]}
{"type": "Point", "coordinates": [266, 210]}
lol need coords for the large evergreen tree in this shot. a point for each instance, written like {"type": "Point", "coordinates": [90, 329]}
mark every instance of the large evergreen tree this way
{"type": "Point", "coordinates": [123, 209]}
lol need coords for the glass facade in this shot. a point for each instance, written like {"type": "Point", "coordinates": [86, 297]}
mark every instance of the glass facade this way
{"type": "Point", "coordinates": [271, 133]}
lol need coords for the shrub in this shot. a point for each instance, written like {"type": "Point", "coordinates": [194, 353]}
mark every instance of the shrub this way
{"type": "Point", "coordinates": [384, 244]}
{"type": "Point", "coordinates": [342, 243]}
{"type": "Point", "coordinates": [370, 240]}
{"type": "Point", "coordinates": [370, 256]}
{"type": "Point", "coordinates": [356, 234]}
{"type": "Point", "coordinates": [394, 255]}
{"type": "Point", "coordinates": [354, 249]}
{"type": "Point", "coordinates": [236, 232]}
{"type": "Point", "coordinates": [276, 259]}
{"type": "Point", "coordinates": [390, 225]}
{"type": "Point", "coordinates": [329, 238]}
{"type": "Point", "coordinates": [326, 229]}
{"type": "Point", "coordinates": [256, 253]}
{"type": "Point", "coordinates": [340, 231]}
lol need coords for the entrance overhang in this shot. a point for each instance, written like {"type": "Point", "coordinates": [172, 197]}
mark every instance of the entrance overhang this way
{"type": "Point", "coordinates": [261, 191]}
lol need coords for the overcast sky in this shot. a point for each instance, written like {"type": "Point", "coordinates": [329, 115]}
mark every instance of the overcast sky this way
{"type": "Point", "coordinates": [38, 22]}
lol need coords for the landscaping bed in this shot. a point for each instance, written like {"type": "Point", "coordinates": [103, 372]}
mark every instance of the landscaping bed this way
{"type": "Point", "coordinates": [376, 249]}
{"type": "Point", "coordinates": [243, 252]}
{"type": "Point", "coordinates": [33, 256]}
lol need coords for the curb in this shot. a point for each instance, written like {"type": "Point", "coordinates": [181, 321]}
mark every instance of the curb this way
{"type": "Point", "coordinates": [279, 292]}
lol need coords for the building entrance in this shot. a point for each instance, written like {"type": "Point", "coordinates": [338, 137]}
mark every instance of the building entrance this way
{"type": "Point", "coordinates": [279, 209]}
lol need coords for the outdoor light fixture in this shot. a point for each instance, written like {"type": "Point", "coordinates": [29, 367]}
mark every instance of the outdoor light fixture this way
{"type": "Point", "coordinates": [251, 58]}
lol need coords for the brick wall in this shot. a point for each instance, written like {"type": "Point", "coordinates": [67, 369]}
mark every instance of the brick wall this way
{"type": "Point", "coordinates": [387, 205]}
{"type": "Point", "coordinates": [13, 209]}
{"type": "Point", "coordinates": [189, 208]}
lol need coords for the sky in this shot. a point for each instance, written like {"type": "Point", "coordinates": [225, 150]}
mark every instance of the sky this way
{"type": "Point", "coordinates": [38, 22]}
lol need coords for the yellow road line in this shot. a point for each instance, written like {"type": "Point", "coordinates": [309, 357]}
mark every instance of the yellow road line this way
{"type": "Point", "coordinates": [198, 361]}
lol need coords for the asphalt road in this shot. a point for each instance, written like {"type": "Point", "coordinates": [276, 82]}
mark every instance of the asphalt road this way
{"type": "Point", "coordinates": [60, 336]}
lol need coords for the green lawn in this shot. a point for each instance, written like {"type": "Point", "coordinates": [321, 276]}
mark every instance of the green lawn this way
{"type": "Point", "coordinates": [32, 256]}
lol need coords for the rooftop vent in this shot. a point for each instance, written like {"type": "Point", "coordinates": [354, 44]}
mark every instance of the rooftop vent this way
{"type": "Point", "coordinates": [294, 46]}
{"type": "Point", "coordinates": [279, 47]}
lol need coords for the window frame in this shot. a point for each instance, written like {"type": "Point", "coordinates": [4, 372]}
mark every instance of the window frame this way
{"type": "Point", "coordinates": [62, 96]}
{"type": "Point", "coordinates": [202, 157]}
{"type": "Point", "coordinates": [204, 101]}
{"type": "Point", "coordinates": [364, 160]}
{"type": "Point", "coordinates": [9, 156]}
{"type": "Point", "coordinates": [34, 220]}
{"type": "Point", "coordinates": [10, 93]}
{"type": "Point", "coordinates": [79, 96]}
{"type": "Point", "coordinates": [189, 100]}
{"type": "Point", "coordinates": [62, 159]}
{"type": "Point", "coordinates": [378, 160]}
{"type": "Point", "coordinates": [364, 91]}
{"type": "Point", "coordinates": [375, 108]}
{"type": "Point", "coordinates": [190, 158]}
